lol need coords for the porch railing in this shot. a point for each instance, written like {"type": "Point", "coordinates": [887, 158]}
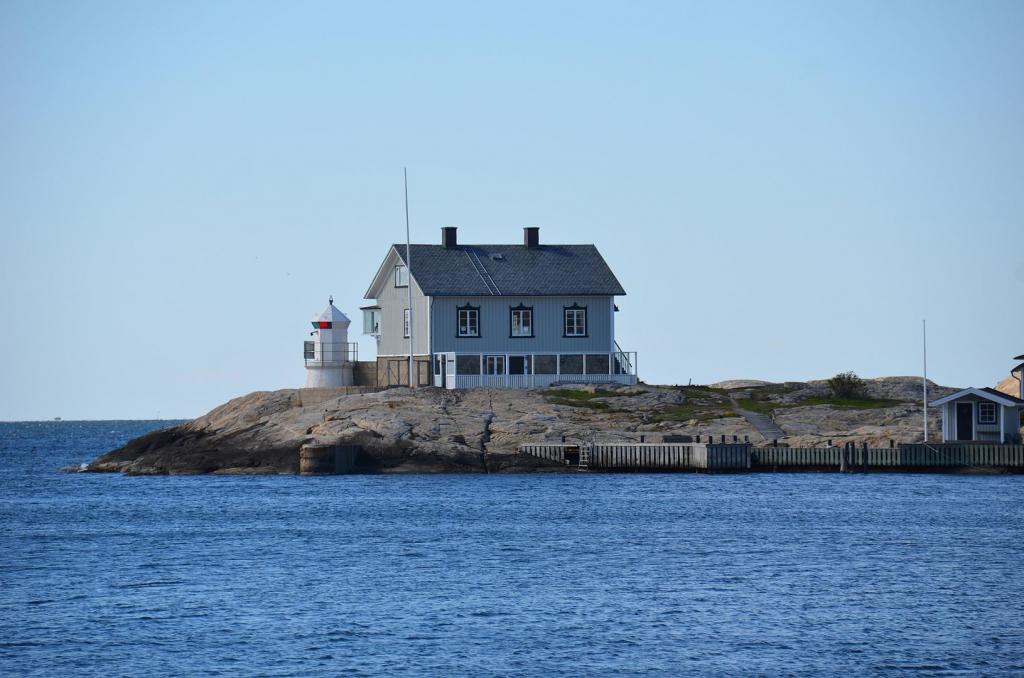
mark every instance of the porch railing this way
{"type": "Point", "coordinates": [618, 367]}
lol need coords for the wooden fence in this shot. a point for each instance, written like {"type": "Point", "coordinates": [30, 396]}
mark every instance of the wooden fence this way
{"type": "Point", "coordinates": [724, 457]}
{"type": "Point", "coordinates": [645, 456]}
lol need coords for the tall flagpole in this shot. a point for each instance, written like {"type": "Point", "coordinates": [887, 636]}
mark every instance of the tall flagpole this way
{"type": "Point", "coordinates": [924, 380]}
{"type": "Point", "coordinates": [408, 269]}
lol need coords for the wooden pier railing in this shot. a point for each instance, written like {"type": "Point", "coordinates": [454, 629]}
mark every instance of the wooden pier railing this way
{"type": "Point", "coordinates": [740, 457]}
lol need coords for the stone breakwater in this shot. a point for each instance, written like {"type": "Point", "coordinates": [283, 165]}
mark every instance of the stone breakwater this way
{"type": "Point", "coordinates": [480, 431]}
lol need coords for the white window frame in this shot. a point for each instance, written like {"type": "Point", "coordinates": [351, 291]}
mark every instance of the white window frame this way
{"type": "Point", "coordinates": [523, 329]}
{"type": "Point", "coordinates": [494, 365]}
{"type": "Point", "coordinates": [401, 275]}
{"type": "Point", "coordinates": [579, 328]}
{"type": "Point", "coordinates": [982, 419]}
{"type": "Point", "coordinates": [472, 328]}
{"type": "Point", "coordinates": [405, 323]}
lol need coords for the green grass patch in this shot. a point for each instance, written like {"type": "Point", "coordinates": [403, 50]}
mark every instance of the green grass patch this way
{"type": "Point", "coordinates": [758, 405]}
{"type": "Point", "coordinates": [578, 394]}
{"type": "Point", "coordinates": [572, 397]}
{"type": "Point", "coordinates": [703, 392]}
{"type": "Point", "coordinates": [686, 412]}
{"type": "Point", "coordinates": [855, 403]}
{"type": "Point", "coordinates": [764, 406]}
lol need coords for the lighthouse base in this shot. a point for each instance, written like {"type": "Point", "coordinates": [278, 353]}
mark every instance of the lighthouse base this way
{"type": "Point", "coordinates": [333, 376]}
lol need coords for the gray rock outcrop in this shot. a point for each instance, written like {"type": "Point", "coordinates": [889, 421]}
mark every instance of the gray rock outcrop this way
{"type": "Point", "coordinates": [480, 430]}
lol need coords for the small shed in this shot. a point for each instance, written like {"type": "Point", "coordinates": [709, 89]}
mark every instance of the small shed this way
{"type": "Point", "coordinates": [980, 414]}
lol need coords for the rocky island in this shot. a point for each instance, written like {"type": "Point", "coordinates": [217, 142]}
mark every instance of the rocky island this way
{"type": "Point", "coordinates": [480, 430]}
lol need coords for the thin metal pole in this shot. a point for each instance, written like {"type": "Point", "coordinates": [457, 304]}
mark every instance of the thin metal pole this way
{"type": "Point", "coordinates": [924, 380]}
{"type": "Point", "coordinates": [408, 269]}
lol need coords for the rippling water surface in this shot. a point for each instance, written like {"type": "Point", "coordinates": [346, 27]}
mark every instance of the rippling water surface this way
{"type": "Point", "coordinates": [539, 574]}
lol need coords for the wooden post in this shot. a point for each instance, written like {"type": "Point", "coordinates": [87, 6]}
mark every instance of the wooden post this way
{"type": "Point", "coordinates": [864, 459]}
{"type": "Point", "coordinates": [842, 458]}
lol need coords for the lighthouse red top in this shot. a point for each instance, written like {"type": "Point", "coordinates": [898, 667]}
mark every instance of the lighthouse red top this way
{"type": "Point", "coordinates": [330, 318]}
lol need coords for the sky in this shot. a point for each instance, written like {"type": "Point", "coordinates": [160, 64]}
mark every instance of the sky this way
{"type": "Point", "coordinates": [784, 189]}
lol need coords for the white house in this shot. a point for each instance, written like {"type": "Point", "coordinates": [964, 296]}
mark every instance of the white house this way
{"type": "Point", "coordinates": [983, 414]}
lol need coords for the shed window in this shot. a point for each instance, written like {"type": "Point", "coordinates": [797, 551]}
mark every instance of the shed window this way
{"type": "Point", "coordinates": [469, 321]}
{"type": "Point", "coordinates": [987, 413]}
{"type": "Point", "coordinates": [401, 276]}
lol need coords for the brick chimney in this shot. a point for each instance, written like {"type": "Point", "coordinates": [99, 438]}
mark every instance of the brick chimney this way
{"type": "Point", "coordinates": [531, 236]}
{"type": "Point", "coordinates": [448, 237]}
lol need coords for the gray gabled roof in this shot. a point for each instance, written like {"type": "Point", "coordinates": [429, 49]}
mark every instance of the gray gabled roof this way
{"type": "Point", "coordinates": [511, 270]}
{"type": "Point", "coordinates": [986, 393]}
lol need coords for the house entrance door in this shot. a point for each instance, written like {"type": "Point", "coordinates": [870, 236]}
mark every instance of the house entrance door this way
{"type": "Point", "coordinates": [519, 371]}
{"type": "Point", "coordinates": [964, 421]}
{"type": "Point", "coordinates": [519, 364]}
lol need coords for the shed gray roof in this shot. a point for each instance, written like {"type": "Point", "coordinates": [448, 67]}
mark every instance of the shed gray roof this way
{"type": "Point", "coordinates": [513, 270]}
{"type": "Point", "coordinates": [985, 392]}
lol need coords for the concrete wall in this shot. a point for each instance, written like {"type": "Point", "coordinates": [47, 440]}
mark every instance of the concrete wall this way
{"type": "Point", "coordinates": [548, 325]}
{"type": "Point", "coordinates": [364, 373]}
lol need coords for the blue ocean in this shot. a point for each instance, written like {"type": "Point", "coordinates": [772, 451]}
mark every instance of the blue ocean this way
{"type": "Point", "coordinates": [582, 574]}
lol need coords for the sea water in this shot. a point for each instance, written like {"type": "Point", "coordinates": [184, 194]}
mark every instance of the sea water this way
{"type": "Point", "coordinates": [499, 574]}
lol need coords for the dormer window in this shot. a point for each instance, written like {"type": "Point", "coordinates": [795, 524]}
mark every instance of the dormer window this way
{"type": "Point", "coordinates": [401, 276]}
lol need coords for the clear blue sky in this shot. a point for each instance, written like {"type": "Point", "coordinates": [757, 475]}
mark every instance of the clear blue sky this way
{"type": "Point", "coordinates": [784, 189]}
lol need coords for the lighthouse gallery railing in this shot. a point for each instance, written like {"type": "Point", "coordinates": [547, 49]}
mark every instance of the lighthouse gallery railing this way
{"type": "Point", "coordinates": [316, 354]}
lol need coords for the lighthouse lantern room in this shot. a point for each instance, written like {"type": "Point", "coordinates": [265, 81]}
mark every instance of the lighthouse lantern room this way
{"type": "Point", "coordinates": [329, 356]}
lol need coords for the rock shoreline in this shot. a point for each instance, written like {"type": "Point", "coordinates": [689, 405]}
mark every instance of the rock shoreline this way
{"type": "Point", "coordinates": [432, 430]}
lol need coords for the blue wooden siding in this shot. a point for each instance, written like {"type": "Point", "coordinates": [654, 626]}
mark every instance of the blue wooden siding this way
{"type": "Point", "coordinates": [495, 327]}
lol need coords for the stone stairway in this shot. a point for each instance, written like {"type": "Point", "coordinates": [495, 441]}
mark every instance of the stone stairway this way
{"type": "Point", "coordinates": [763, 423]}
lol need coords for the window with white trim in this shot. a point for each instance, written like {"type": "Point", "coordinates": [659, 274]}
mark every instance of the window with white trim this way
{"type": "Point", "coordinates": [522, 322]}
{"type": "Point", "coordinates": [405, 324]}
{"type": "Point", "coordinates": [469, 321]}
{"type": "Point", "coordinates": [401, 276]}
{"type": "Point", "coordinates": [576, 322]}
{"type": "Point", "coordinates": [987, 413]}
{"type": "Point", "coordinates": [494, 364]}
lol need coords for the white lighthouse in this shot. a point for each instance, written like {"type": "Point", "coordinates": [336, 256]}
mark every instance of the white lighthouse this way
{"type": "Point", "coordinates": [329, 356]}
